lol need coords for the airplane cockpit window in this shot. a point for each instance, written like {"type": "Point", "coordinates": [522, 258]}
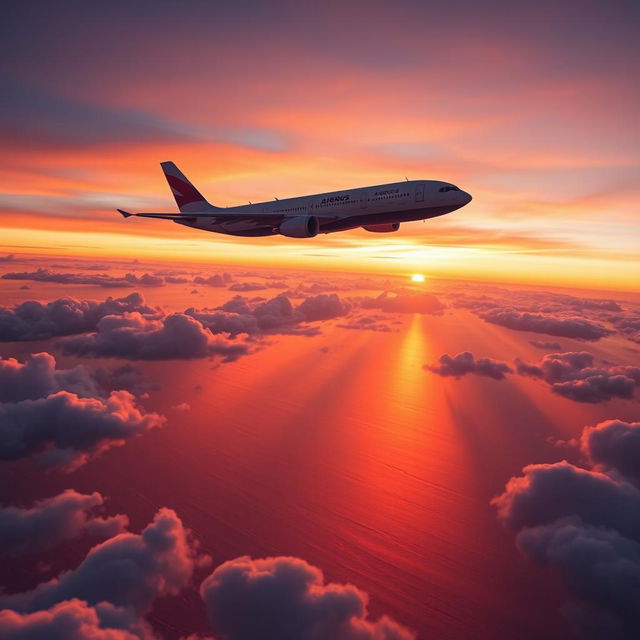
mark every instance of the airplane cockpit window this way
{"type": "Point", "coordinates": [449, 187]}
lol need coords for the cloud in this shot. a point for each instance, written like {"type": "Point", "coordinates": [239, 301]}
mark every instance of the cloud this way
{"type": "Point", "coordinates": [412, 303]}
{"type": "Point", "coordinates": [65, 430]}
{"type": "Point", "coordinates": [115, 585]}
{"type": "Point", "coordinates": [465, 362]}
{"type": "Point", "coordinates": [247, 286]}
{"type": "Point", "coordinates": [33, 320]}
{"type": "Point", "coordinates": [546, 344]}
{"type": "Point", "coordinates": [316, 286]}
{"type": "Point", "coordinates": [573, 327]}
{"type": "Point", "coordinates": [63, 517]}
{"type": "Point", "coordinates": [547, 492]}
{"type": "Point", "coordinates": [107, 596]}
{"type": "Point", "coordinates": [10, 257]}
{"type": "Point", "coordinates": [573, 375]}
{"type": "Point", "coordinates": [38, 377]}
{"type": "Point", "coordinates": [218, 321]}
{"type": "Point", "coordinates": [237, 304]}
{"type": "Point", "coordinates": [128, 570]}
{"type": "Point", "coordinates": [66, 416]}
{"type": "Point", "coordinates": [135, 337]}
{"type": "Point", "coordinates": [628, 325]}
{"type": "Point", "coordinates": [614, 447]}
{"type": "Point", "coordinates": [602, 570]}
{"type": "Point", "coordinates": [585, 522]}
{"type": "Point", "coordinates": [276, 315]}
{"type": "Point", "coordinates": [102, 280]}
{"type": "Point", "coordinates": [286, 598]}
{"type": "Point", "coordinates": [323, 307]}
{"type": "Point", "coordinates": [327, 285]}
{"type": "Point", "coordinates": [485, 297]}
{"type": "Point", "coordinates": [544, 312]}
{"type": "Point", "coordinates": [74, 620]}
{"type": "Point", "coordinates": [217, 280]}
{"type": "Point", "coordinates": [371, 322]}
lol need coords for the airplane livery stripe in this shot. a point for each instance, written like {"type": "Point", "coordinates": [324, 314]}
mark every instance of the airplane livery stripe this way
{"type": "Point", "coordinates": [184, 192]}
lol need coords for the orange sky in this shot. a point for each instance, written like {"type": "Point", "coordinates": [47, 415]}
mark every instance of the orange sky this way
{"type": "Point", "coordinates": [526, 109]}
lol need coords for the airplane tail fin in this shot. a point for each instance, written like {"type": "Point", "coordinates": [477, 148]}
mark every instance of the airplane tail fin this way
{"type": "Point", "coordinates": [188, 198]}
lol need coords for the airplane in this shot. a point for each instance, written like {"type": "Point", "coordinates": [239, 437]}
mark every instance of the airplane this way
{"type": "Point", "coordinates": [379, 209]}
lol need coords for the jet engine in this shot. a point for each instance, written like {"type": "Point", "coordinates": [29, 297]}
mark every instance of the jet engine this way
{"type": "Point", "coordinates": [300, 227]}
{"type": "Point", "coordinates": [382, 228]}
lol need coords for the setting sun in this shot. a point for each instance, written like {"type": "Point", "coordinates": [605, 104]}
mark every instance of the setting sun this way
{"type": "Point", "coordinates": [417, 277]}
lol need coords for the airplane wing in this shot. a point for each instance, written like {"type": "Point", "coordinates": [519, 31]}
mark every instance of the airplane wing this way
{"type": "Point", "coordinates": [225, 216]}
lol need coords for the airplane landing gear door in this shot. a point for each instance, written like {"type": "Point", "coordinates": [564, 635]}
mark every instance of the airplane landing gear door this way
{"type": "Point", "coordinates": [363, 199]}
{"type": "Point", "coordinates": [420, 193]}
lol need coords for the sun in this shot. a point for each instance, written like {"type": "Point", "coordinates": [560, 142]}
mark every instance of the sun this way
{"type": "Point", "coordinates": [417, 277]}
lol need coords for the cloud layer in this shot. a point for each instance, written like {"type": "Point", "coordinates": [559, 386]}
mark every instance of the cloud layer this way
{"type": "Point", "coordinates": [102, 279]}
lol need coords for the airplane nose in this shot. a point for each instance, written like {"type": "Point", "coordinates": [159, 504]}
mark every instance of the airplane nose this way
{"type": "Point", "coordinates": [466, 198]}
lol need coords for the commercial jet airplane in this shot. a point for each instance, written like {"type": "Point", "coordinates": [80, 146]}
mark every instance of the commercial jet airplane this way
{"type": "Point", "coordinates": [378, 209]}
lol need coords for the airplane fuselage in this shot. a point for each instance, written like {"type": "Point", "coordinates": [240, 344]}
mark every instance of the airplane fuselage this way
{"type": "Point", "coordinates": [348, 209]}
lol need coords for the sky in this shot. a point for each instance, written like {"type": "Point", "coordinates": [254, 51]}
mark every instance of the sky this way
{"type": "Point", "coordinates": [532, 108]}
{"type": "Point", "coordinates": [431, 434]}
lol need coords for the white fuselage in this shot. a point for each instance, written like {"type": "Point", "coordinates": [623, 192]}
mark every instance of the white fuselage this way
{"type": "Point", "coordinates": [339, 210]}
